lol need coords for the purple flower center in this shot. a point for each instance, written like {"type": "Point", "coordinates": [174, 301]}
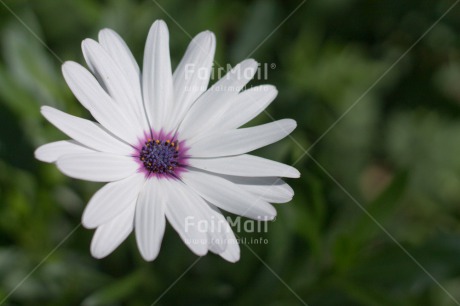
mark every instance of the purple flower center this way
{"type": "Point", "coordinates": [159, 156]}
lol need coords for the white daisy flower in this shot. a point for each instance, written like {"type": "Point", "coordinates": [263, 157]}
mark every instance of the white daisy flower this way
{"type": "Point", "coordinates": [167, 147]}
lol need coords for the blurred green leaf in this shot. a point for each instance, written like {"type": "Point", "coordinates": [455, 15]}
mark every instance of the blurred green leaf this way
{"type": "Point", "coordinates": [115, 292]}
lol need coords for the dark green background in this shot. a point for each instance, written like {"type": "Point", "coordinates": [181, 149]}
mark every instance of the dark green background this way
{"type": "Point", "coordinates": [396, 154]}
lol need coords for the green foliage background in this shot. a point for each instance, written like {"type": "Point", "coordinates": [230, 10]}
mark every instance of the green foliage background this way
{"type": "Point", "coordinates": [376, 215]}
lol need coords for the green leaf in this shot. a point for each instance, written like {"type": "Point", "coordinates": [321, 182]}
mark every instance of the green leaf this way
{"type": "Point", "coordinates": [116, 292]}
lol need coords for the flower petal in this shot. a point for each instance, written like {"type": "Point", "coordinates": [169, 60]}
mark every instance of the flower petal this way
{"type": "Point", "coordinates": [150, 218]}
{"type": "Point", "coordinates": [232, 252]}
{"type": "Point", "coordinates": [270, 189]}
{"type": "Point", "coordinates": [232, 248]}
{"type": "Point", "coordinates": [110, 235]}
{"type": "Point", "coordinates": [207, 220]}
{"type": "Point", "coordinates": [206, 112]}
{"type": "Point", "coordinates": [228, 196]}
{"type": "Point", "coordinates": [234, 142]}
{"type": "Point", "coordinates": [94, 98]}
{"type": "Point", "coordinates": [217, 227]}
{"type": "Point", "coordinates": [247, 105]}
{"type": "Point", "coordinates": [157, 84]}
{"type": "Point", "coordinates": [120, 53]}
{"type": "Point", "coordinates": [244, 165]}
{"type": "Point", "coordinates": [191, 77]}
{"type": "Point", "coordinates": [86, 132]}
{"type": "Point", "coordinates": [115, 81]}
{"type": "Point", "coordinates": [111, 200]}
{"type": "Point", "coordinates": [52, 151]}
{"type": "Point", "coordinates": [97, 167]}
{"type": "Point", "coordinates": [181, 212]}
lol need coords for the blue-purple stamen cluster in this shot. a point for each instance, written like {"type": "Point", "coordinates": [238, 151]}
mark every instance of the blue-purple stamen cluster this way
{"type": "Point", "coordinates": [160, 156]}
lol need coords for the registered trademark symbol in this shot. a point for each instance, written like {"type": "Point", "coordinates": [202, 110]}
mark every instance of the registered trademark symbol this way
{"type": "Point", "coordinates": [272, 65]}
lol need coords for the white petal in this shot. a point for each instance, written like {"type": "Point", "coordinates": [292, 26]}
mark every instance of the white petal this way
{"type": "Point", "coordinates": [228, 196]}
{"type": "Point", "coordinates": [181, 212]}
{"type": "Point", "coordinates": [86, 132]}
{"type": "Point", "coordinates": [191, 77]}
{"type": "Point", "coordinates": [244, 165]}
{"type": "Point", "coordinates": [94, 98]}
{"type": "Point", "coordinates": [234, 142]}
{"type": "Point", "coordinates": [110, 235]}
{"type": "Point", "coordinates": [206, 112]}
{"type": "Point", "coordinates": [247, 105]}
{"type": "Point", "coordinates": [232, 250]}
{"type": "Point", "coordinates": [157, 84]}
{"type": "Point", "coordinates": [208, 220]}
{"type": "Point", "coordinates": [150, 218]}
{"type": "Point", "coordinates": [111, 200]}
{"type": "Point", "coordinates": [119, 51]}
{"type": "Point", "coordinates": [218, 228]}
{"type": "Point", "coordinates": [270, 189]}
{"type": "Point", "coordinates": [115, 81]}
{"type": "Point", "coordinates": [52, 151]}
{"type": "Point", "coordinates": [97, 167]}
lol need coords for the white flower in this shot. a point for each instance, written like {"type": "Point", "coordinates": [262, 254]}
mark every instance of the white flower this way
{"type": "Point", "coordinates": [168, 148]}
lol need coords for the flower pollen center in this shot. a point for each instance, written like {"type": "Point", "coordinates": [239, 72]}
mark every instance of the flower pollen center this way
{"type": "Point", "coordinates": [160, 156]}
